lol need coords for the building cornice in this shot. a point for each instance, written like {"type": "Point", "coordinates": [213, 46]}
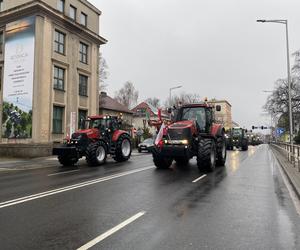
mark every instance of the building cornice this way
{"type": "Point", "coordinates": [91, 6]}
{"type": "Point", "coordinates": [40, 8]}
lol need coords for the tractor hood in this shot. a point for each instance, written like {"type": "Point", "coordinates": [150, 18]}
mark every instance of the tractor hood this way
{"type": "Point", "coordinates": [91, 133]}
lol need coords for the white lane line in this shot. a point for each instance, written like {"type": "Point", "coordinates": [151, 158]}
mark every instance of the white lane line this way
{"type": "Point", "coordinates": [68, 188]}
{"type": "Point", "coordinates": [111, 231]}
{"type": "Point", "coordinates": [200, 178]}
{"type": "Point", "coordinates": [64, 172]}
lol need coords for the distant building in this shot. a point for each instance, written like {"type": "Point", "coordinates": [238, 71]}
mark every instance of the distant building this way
{"type": "Point", "coordinates": [140, 113]}
{"type": "Point", "coordinates": [49, 57]}
{"type": "Point", "coordinates": [224, 116]}
{"type": "Point", "coordinates": [110, 106]}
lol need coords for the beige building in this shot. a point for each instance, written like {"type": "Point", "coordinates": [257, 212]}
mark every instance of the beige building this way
{"type": "Point", "coordinates": [62, 84]}
{"type": "Point", "coordinates": [224, 116]}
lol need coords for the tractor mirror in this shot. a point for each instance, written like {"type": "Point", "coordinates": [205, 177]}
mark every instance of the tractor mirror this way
{"type": "Point", "coordinates": [218, 108]}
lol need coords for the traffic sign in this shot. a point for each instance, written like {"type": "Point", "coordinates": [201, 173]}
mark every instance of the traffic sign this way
{"type": "Point", "coordinates": [280, 131]}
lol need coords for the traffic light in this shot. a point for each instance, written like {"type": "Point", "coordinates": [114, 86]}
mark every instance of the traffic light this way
{"type": "Point", "coordinates": [262, 127]}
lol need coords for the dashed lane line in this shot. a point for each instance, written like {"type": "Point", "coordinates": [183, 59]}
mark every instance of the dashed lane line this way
{"type": "Point", "coordinates": [64, 172]}
{"type": "Point", "coordinates": [111, 231]}
{"type": "Point", "coordinates": [69, 188]}
{"type": "Point", "coordinates": [200, 178]}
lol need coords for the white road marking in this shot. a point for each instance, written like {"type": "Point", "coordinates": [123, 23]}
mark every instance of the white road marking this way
{"type": "Point", "coordinates": [200, 178]}
{"type": "Point", "coordinates": [111, 231]}
{"type": "Point", "coordinates": [68, 188]}
{"type": "Point", "coordinates": [64, 172]}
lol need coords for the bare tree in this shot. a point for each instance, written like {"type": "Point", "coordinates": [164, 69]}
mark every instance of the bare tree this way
{"type": "Point", "coordinates": [183, 98]}
{"type": "Point", "coordinates": [103, 73]}
{"type": "Point", "coordinates": [127, 95]}
{"type": "Point", "coordinates": [153, 101]}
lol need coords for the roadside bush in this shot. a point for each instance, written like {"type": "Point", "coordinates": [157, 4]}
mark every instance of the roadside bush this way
{"type": "Point", "coordinates": [297, 138]}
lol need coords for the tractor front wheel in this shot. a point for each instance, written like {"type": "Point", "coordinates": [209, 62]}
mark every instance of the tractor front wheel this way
{"type": "Point", "coordinates": [206, 158]}
{"type": "Point", "coordinates": [67, 161]}
{"type": "Point", "coordinates": [123, 148]}
{"type": "Point", "coordinates": [159, 161]}
{"type": "Point", "coordinates": [96, 153]}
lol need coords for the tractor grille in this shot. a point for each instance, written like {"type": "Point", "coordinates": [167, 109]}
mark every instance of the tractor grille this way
{"type": "Point", "coordinates": [179, 134]}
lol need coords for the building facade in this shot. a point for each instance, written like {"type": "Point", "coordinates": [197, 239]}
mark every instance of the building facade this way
{"type": "Point", "coordinates": [224, 116]}
{"type": "Point", "coordinates": [49, 61]}
{"type": "Point", "coordinates": [109, 106]}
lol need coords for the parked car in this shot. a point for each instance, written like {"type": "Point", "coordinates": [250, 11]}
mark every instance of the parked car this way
{"type": "Point", "coordinates": [146, 145]}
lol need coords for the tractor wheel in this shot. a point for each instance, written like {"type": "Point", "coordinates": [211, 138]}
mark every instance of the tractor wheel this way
{"type": "Point", "coordinates": [244, 145]}
{"type": "Point", "coordinates": [182, 161]}
{"type": "Point", "coordinates": [161, 162]}
{"type": "Point", "coordinates": [206, 158]}
{"type": "Point", "coordinates": [123, 148]}
{"type": "Point", "coordinates": [96, 153]}
{"type": "Point", "coordinates": [221, 151]}
{"type": "Point", "coordinates": [66, 161]}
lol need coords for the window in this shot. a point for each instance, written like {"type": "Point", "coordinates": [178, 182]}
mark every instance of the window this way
{"type": "Point", "coordinates": [73, 11]}
{"type": "Point", "coordinates": [59, 78]}
{"type": "Point", "coordinates": [83, 82]}
{"type": "Point", "coordinates": [83, 53]}
{"type": "Point", "coordinates": [59, 42]}
{"type": "Point", "coordinates": [58, 113]}
{"type": "Point", "coordinates": [61, 5]}
{"type": "Point", "coordinates": [1, 42]}
{"type": "Point", "coordinates": [83, 19]}
{"type": "Point", "coordinates": [1, 5]}
{"type": "Point", "coordinates": [82, 115]}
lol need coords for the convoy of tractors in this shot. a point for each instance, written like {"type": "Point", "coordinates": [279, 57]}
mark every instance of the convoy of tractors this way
{"type": "Point", "coordinates": [191, 132]}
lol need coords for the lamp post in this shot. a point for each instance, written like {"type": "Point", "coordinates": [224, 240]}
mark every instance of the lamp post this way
{"type": "Point", "coordinates": [170, 93]}
{"type": "Point", "coordinates": [285, 22]}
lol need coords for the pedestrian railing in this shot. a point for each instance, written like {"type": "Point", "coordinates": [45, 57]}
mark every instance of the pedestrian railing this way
{"type": "Point", "coordinates": [292, 152]}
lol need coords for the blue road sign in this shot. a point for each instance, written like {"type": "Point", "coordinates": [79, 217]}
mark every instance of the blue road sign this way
{"type": "Point", "coordinates": [280, 131]}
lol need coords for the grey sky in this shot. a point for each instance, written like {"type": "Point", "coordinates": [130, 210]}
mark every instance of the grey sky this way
{"type": "Point", "coordinates": [214, 48]}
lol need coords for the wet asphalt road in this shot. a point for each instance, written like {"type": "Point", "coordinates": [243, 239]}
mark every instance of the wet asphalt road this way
{"type": "Point", "coordinates": [245, 205]}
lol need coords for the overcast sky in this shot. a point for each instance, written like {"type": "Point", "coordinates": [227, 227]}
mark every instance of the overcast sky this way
{"type": "Point", "coordinates": [213, 48]}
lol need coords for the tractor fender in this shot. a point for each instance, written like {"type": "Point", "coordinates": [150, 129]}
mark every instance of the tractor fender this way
{"type": "Point", "coordinates": [217, 130]}
{"type": "Point", "coordinates": [117, 134]}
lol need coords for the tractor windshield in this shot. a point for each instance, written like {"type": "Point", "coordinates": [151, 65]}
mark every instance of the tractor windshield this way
{"type": "Point", "coordinates": [100, 124]}
{"type": "Point", "coordinates": [196, 114]}
{"type": "Point", "coordinates": [237, 132]}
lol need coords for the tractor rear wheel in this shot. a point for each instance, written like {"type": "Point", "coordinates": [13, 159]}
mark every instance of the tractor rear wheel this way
{"type": "Point", "coordinates": [206, 158]}
{"type": "Point", "coordinates": [96, 153]}
{"type": "Point", "coordinates": [123, 148]}
{"type": "Point", "coordinates": [67, 161]}
{"type": "Point", "coordinates": [221, 151]}
{"type": "Point", "coordinates": [182, 161]}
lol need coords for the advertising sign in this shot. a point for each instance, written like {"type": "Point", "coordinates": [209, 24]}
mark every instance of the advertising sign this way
{"type": "Point", "coordinates": [18, 79]}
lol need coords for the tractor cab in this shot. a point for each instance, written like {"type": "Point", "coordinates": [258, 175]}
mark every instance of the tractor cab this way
{"type": "Point", "coordinates": [102, 123]}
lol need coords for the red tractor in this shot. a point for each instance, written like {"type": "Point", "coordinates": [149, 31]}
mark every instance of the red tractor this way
{"type": "Point", "coordinates": [192, 133]}
{"type": "Point", "coordinates": [100, 136]}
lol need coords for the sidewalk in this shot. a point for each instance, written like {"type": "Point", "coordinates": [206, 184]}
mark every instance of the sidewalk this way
{"type": "Point", "coordinates": [290, 170]}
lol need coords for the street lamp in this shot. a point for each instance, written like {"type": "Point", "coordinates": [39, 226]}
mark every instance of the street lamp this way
{"type": "Point", "coordinates": [170, 95]}
{"type": "Point", "coordinates": [285, 22]}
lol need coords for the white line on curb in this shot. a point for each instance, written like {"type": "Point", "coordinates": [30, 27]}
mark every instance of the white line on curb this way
{"type": "Point", "coordinates": [68, 188]}
{"type": "Point", "coordinates": [200, 178]}
{"type": "Point", "coordinates": [111, 231]}
{"type": "Point", "coordinates": [64, 172]}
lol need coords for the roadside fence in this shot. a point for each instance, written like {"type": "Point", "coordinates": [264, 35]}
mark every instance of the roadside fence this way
{"type": "Point", "coordinates": [292, 152]}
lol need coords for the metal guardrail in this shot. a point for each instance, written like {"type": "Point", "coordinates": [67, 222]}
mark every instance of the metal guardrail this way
{"type": "Point", "coordinates": [293, 152]}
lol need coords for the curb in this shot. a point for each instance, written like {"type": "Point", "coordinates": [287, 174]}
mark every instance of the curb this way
{"type": "Point", "coordinates": [283, 167]}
